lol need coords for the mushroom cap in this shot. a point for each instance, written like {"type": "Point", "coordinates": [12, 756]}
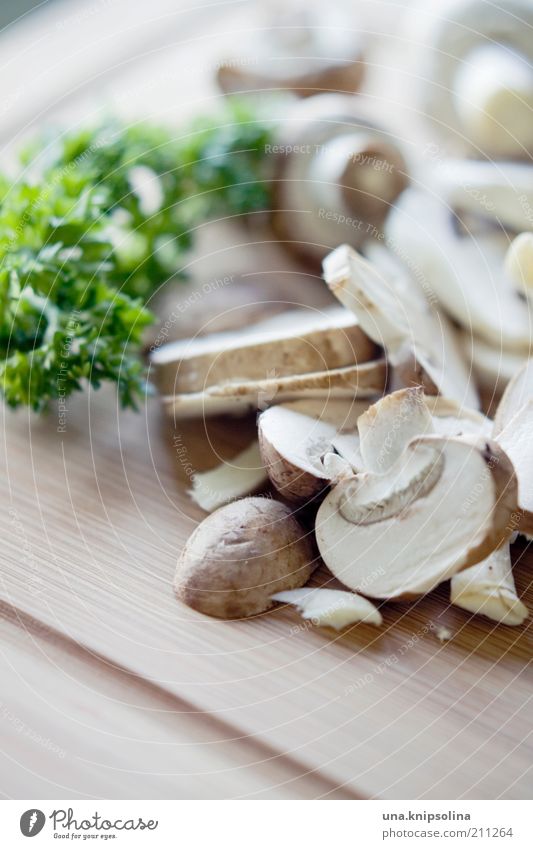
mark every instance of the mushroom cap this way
{"type": "Point", "coordinates": [295, 438]}
{"type": "Point", "coordinates": [445, 506]}
{"type": "Point", "coordinates": [241, 555]}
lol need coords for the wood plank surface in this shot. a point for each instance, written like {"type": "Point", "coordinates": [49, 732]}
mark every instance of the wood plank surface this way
{"type": "Point", "coordinates": [100, 659]}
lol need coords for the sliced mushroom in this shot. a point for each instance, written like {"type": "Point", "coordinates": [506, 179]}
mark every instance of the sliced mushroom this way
{"type": "Point", "coordinates": [518, 392]}
{"type": "Point", "coordinates": [240, 555]}
{"type": "Point", "coordinates": [331, 608]}
{"type": "Point", "coordinates": [490, 584]}
{"type": "Point", "coordinates": [387, 426]}
{"type": "Point", "coordinates": [238, 398]}
{"type": "Point", "coordinates": [293, 343]}
{"type": "Point", "coordinates": [450, 419]}
{"type": "Point", "coordinates": [394, 312]}
{"type": "Point", "coordinates": [519, 262]}
{"type": "Point", "coordinates": [337, 175]}
{"type": "Point", "coordinates": [488, 588]}
{"type": "Point", "coordinates": [243, 475]}
{"type": "Point", "coordinates": [303, 48]}
{"type": "Point", "coordinates": [492, 367]}
{"type": "Point", "coordinates": [465, 274]}
{"type": "Point", "coordinates": [516, 441]}
{"type": "Point", "coordinates": [296, 440]}
{"type": "Point", "coordinates": [445, 505]}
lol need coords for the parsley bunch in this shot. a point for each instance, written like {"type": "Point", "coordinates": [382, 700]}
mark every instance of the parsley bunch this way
{"type": "Point", "coordinates": [99, 220]}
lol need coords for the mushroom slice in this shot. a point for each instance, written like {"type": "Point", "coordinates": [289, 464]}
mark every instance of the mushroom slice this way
{"type": "Point", "coordinates": [450, 419]}
{"type": "Point", "coordinates": [302, 47]}
{"type": "Point", "coordinates": [296, 342]}
{"type": "Point", "coordinates": [519, 263]}
{"type": "Point", "coordinates": [445, 505]}
{"type": "Point", "coordinates": [518, 392]}
{"type": "Point", "coordinates": [493, 366]}
{"type": "Point", "coordinates": [515, 439]}
{"type": "Point", "coordinates": [488, 588]}
{"type": "Point", "coordinates": [297, 447]}
{"type": "Point", "coordinates": [337, 175]}
{"type": "Point", "coordinates": [332, 608]}
{"type": "Point", "coordinates": [465, 274]}
{"type": "Point", "coordinates": [233, 479]}
{"type": "Point", "coordinates": [236, 398]}
{"type": "Point", "coordinates": [393, 311]}
{"type": "Point", "coordinates": [389, 424]}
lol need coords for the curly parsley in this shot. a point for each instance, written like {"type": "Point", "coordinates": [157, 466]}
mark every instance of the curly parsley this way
{"type": "Point", "coordinates": [99, 220]}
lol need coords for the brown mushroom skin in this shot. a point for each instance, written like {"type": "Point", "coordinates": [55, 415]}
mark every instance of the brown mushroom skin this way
{"type": "Point", "coordinates": [242, 554]}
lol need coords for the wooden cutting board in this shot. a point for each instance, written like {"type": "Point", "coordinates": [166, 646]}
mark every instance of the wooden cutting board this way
{"type": "Point", "coordinates": [112, 688]}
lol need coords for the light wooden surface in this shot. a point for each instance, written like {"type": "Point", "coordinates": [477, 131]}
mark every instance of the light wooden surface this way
{"type": "Point", "coordinates": [113, 689]}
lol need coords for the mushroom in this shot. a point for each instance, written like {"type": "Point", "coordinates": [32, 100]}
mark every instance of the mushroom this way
{"type": "Point", "coordinates": [466, 275]}
{"type": "Point", "coordinates": [306, 445]}
{"type": "Point", "coordinates": [518, 392]}
{"type": "Point", "coordinates": [500, 192]}
{"type": "Point", "coordinates": [389, 425]}
{"type": "Point", "coordinates": [233, 479]}
{"type": "Point", "coordinates": [303, 48]}
{"type": "Point", "coordinates": [337, 175]}
{"type": "Point", "coordinates": [241, 555]}
{"type": "Point", "coordinates": [293, 343]}
{"type": "Point", "coordinates": [240, 397]}
{"type": "Point", "coordinates": [298, 442]}
{"type": "Point", "coordinates": [393, 311]}
{"type": "Point", "coordinates": [477, 80]}
{"type": "Point", "coordinates": [488, 588]}
{"type": "Point", "coordinates": [493, 367]}
{"type": "Point", "coordinates": [444, 505]}
{"type": "Point", "coordinates": [331, 608]}
{"type": "Point", "coordinates": [515, 439]}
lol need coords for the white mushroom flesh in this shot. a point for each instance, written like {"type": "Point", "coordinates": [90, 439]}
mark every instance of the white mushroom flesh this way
{"type": "Point", "coordinates": [467, 496]}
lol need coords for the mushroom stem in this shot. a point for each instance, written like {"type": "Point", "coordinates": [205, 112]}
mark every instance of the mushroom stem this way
{"type": "Point", "coordinates": [489, 588]}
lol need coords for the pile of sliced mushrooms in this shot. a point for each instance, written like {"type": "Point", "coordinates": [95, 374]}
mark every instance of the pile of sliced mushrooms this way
{"type": "Point", "coordinates": [412, 486]}
{"type": "Point", "coordinates": [369, 429]}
